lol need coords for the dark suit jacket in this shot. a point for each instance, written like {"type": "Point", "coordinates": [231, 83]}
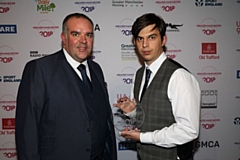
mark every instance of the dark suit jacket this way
{"type": "Point", "coordinates": [51, 118]}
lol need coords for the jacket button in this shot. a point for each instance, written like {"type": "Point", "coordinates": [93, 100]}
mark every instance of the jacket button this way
{"type": "Point", "coordinates": [89, 129]}
{"type": "Point", "coordinates": [88, 149]}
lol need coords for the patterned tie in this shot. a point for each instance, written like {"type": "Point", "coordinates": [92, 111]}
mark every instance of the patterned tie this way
{"type": "Point", "coordinates": [82, 69]}
{"type": "Point", "coordinates": [147, 77]}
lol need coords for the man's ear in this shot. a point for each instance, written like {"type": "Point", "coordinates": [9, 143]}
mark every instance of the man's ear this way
{"type": "Point", "coordinates": [133, 41]}
{"type": "Point", "coordinates": [63, 37]}
{"type": "Point", "coordinates": [164, 41]}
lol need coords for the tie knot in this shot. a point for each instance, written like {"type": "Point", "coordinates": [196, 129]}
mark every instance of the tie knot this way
{"type": "Point", "coordinates": [148, 70]}
{"type": "Point", "coordinates": [81, 67]}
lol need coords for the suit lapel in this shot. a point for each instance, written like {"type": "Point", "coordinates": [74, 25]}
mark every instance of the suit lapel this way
{"type": "Point", "coordinates": [95, 70]}
{"type": "Point", "coordinates": [72, 82]}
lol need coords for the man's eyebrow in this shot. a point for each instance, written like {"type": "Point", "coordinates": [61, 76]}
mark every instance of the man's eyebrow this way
{"type": "Point", "coordinates": [154, 34]}
{"type": "Point", "coordinates": [80, 32]}
{"type": "Point", "coordinates": [75, 32]}
{"type": "Point", "coordinates": [89, 33]}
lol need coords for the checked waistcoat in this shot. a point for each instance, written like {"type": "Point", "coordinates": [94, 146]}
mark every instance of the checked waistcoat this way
{"type": "Point", "coordinates": [157, 109]}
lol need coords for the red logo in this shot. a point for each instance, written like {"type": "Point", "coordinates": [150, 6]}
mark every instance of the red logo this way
{"type": "Point", "coordinates": [208, 121]}
{"type": "Point", "coordinates": [5, 6]}
{"type": "Point", "coordinates": [172, 51]}
{"type": "Point", "coordinates": [8, 149]}
{"type": "Point", "coordinates": [168, 6]}
{"type": "Point", "coordinates": [209, 48]}
{"type": "Point", "coordinates": [45, 28]}
{"type": "Point", "coordinates": [238, 27]}
{"type": "Point", "coordinates": [6, 54]}
{"type": "Point", "coordinates": [8, 123]}
{"type": "Point", "coordinates": [8, 102]}
{"type": "Point", "coordinates": [209, 26]}
{"type": "Point", "coordinates": [209, 74]}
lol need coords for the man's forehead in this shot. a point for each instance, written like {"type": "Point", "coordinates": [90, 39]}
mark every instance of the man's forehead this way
{"type": "Point", "coordinates": [149, 30]}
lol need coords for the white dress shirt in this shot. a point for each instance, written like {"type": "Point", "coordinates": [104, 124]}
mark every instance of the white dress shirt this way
{"type": "Point", "coordinates": [75, 64]}
{"type": "Point", "coordinates": [184, 95]}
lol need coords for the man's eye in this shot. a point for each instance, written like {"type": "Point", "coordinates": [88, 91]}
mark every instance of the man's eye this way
{"type": "Point", "coordinates": [75, 34]}
{"type": "Point", "coordinates": [152, 37]}
{"type": "Point", "coordinates": [139, 39]}
{"type": "Point", "coordinates": [90, 35]}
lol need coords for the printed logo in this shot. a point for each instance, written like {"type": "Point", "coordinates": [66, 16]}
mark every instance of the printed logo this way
{"type": "Point", "coordinates": [173, 27]}
{"type": "Point", "coordinates": [35, 54]}
{"type": "Point", "coordinates": [237, 143]}
{"type": "Point", "coordinates": [97, 27]}
{"type": "Point", "coordinates": [169, 5]}
{"type": "Point", "coordinates": [208, 49]}
{"type": "Point", "coordinates": [209, 98]}
{"type": "Point", "coordinates": [5, 6]}
{"type": "Point", "coordinates": [236, 121]}
{"type": "Point", "coordinates": [212, 3]}
{"type": "Point", "coordinates": [172, 50]}
{"type": "Point", "coordinates": [9, 78]}
{"type": "Point", "coordinates": [127, 3]}
{"type": "Point", "coordinates": [127, 75]}
{"type": "Point", "coordinates": [8, 29]}
{"type": "Point", "coordinates": [128, 52]}
{"type": "Point", "coordinates": [44, 6]}
{"type": "Point", "coordinates": [209, 26]}
{"type": "Point", "coordinates": [95, 52]}
{"type": "Point", "coordinates": [8, 102]}
{"type": "Point", "coordinates": [127, 145]}
{"type": "Point", "coordinates": [207, 144]}
{"type": "Point", "coordinates": [86, 6]}
{"type": "Point", "coordinates": [208, 121]}
{"type": "Point", "coordinates": [238, 98]}
{"type": "Point", "coordinates": [8, 123]}
{"type": "Point", "coordinates": [209, 74]}
{"type": "Point", "coordinates": [238, 74]}
{"type": "Point", "coordinates": [8, 149]}
{"type": "Point", "coordinates": [45, 28]}
{"type": "Point", "coordinates": [6, 54]}
{"type": "Point", "coordinates": [125, 27]}
{"type": "Point", "coordinates": [238, 27]}
{"type": "Point", "coordinates": [3, 133]}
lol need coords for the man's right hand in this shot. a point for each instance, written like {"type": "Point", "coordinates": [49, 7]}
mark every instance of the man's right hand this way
{"type": "Point", "coordinates": [125, 104]}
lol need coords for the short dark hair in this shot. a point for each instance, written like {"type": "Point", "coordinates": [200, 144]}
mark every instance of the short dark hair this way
{"type": "Point", "coordinates": [76, 15]}
{"type": "Point", "coordinates": [146, 20]}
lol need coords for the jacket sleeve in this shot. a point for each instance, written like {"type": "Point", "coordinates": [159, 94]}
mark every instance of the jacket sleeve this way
{"type": "Point", "coordinates": [30, 100]}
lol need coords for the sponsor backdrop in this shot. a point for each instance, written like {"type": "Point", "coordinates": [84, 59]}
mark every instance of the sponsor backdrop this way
{"type": "Point", "coordinates": [203, 35]}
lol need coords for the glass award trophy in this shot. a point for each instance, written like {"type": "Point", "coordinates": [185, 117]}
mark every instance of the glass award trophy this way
{"type": "Point", "coordinates": [122, 121]}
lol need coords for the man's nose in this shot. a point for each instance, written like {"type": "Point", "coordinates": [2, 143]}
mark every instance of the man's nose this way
{"type": "Point", "coordinates": [83, 39]}
{"type": "Point", "coordinates": [145, 43]}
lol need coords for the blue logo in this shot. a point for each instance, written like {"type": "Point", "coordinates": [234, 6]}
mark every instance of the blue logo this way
{"type": "Point", "coordinates": [88, 9]}
{"type": "Point", "coordinates": [8, 29]}
{"type": "Point", "coordinates": [238, 74]}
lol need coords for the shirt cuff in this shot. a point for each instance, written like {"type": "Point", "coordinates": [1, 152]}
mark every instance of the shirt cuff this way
{"type": "Point", "coordinates": [146, 137]}
{"type": "Point", "coordinates": [131, 114]}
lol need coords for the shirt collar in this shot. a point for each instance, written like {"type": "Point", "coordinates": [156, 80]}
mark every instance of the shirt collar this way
{"type": "Point", "coordinates": [154, 66]}
{"type": "Point", "coordinates": [72, 61]}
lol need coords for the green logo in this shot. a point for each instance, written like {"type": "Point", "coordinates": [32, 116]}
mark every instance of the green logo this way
{"type": "Point", "coordinates": [46, 8]}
